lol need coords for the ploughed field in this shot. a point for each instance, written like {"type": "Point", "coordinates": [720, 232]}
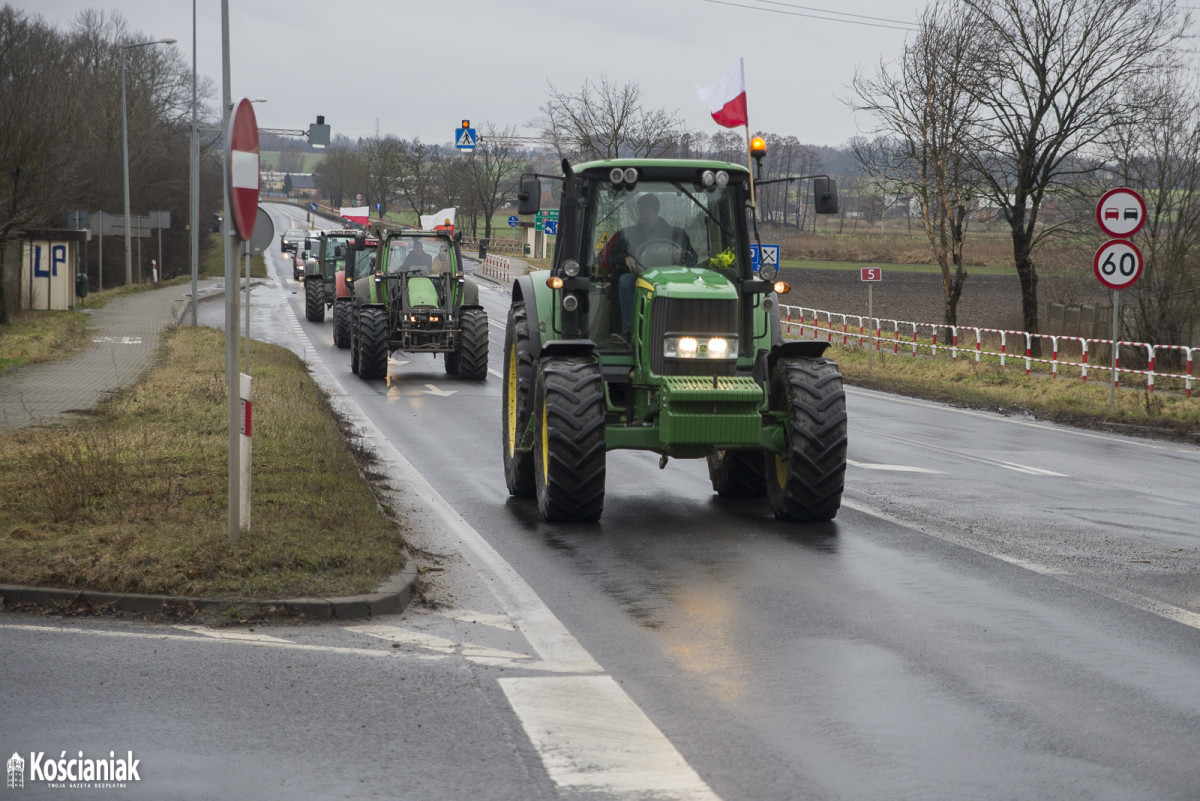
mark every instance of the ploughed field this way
{"type": "Point", "coordinates": [988, 301]}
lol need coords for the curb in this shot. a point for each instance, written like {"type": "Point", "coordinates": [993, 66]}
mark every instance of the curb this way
{"type": "Point", "coordinates": [391, 597]}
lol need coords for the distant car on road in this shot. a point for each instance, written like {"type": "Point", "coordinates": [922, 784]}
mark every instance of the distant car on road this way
{"type": "Point", "coordinates": [291, 240]}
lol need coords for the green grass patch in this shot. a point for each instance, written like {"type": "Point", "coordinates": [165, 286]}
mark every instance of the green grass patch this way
{"type": "Point", "coordinates": [887, 267]}
{"type": "Point", "coordinates": [133, 498]}
{"type": "Point", "coordinates": [987, 385]}
{"type": "Point", "coordinates": [41, 336]}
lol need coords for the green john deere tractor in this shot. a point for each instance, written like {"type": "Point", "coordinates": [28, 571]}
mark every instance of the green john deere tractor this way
{"type": "Point", "coordinates": [414, 297]}
{"type": "Point", "coordinates": [320, 270]}
{"type": "Point", "coordinates": [654, 331]}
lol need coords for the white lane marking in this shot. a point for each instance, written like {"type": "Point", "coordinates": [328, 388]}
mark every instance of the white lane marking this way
{"type": "Point", "coordinates": [241, 636]}
{"type": "Point", "coordinates": [1171, 612]}
{"type": "Point", "coordinates": [496, 373]}
{"type": "Point", "coordinates": [895, 468]}
{"type": "Point", "coordinates": [1033, 471]}
{"type": "Point", "coordinates": [430, 389]}
{"type": "Point", "coordinates": [593, 738]}
{"type": "Point", "coordinates": [550, 712]}
{"type": "Point", "coordinates": [204, 640]}
{"type": "Point", "coordinates": [1020, 468]}
{"type": "Point", "coordinates": [442, 648]}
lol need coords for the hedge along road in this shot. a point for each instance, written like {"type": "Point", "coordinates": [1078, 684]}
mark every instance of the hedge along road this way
{"type": "Point", "coordinates": [1002, 609]}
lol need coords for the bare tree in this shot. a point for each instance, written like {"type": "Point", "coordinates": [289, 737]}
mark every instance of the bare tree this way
{"type": "Point", "coordinates": [608, 121]}
{"type": "Point", "coordinates": [493, 170]}
{"type": "Point", "coordinates": [421, 177]}
{"type": "Point", "coordinates": [384, 162]}
{"type": "Point", "coordinates": [1058, 75]}
{"type": "Point", "coordinates": [1159, 156]}
{"type": "Point", "coordinates": [340, 174]}
{"type": "Point", "coordinates": [924, 113]}
{"type": "Point", "coordinates": [37, 111]}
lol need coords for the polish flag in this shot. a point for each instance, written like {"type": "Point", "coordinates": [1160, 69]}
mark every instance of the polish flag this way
{"type": "Point", "coordinates": [726, 99]}
{"type": "Point", "coordinates": [356, 214]}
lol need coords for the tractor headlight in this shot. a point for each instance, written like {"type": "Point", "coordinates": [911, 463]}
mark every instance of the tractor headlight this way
{"type": "Point", "coordinates": [722, 178]}
{"type": "Point", "coordinates": [570, 303]}
{"type": "Point", "coordinates": [616, 175]}
{"type": "Point", "coordinates": [708, 178]}
{"type": "Point", "coordinates": [570, 268]}
{"type": "Point", "coordinates": [631, 175]}
{"type": "Point", "coordinates": [693, 347]}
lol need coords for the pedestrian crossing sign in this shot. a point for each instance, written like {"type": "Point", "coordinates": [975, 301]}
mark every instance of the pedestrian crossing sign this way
{"type": "Point", "coordinates": [464, 138]}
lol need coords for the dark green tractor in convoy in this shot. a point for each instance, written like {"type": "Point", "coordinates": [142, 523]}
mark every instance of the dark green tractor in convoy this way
{"type": "Point", "coordinates": [654, 331]}
{"type": "Point", "coordinates": [414, 296]}
{"type": "Point", "coordinates": [320, 270]}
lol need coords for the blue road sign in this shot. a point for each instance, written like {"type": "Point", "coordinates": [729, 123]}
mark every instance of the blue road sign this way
{"type": "Point", "coordinates": [378, 207]}
{"type": "Point", "coordinates": [464, 138]}
{"type": "Point", "coordinates": [769, 252]}
{"type": "Point", "coordinates": [550, 226]}
{"type": "Point", "coordinates": [312, 206]}
{"type": "Point", "coordinates": [514, 221]}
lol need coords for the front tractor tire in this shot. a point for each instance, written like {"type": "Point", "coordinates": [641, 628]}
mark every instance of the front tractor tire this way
{"type": "Point", "coordinates": [569, 443]}
{"type": "Point", "coordinates": [517, 393]}
{"type": "Point", "coordinates": [807, 485]}
{"type": "Point", "coordinates": [372, 344]}
{"type": "Point", "coordinates": [471, 358]}
{"type": "Point", "coordinates": [314, 299]}
{"type": "Point", "coordinates": [341, 323]}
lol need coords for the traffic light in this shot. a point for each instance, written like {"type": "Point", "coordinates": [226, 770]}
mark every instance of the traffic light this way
{"type": "Point", "coordinates": [318, 133]}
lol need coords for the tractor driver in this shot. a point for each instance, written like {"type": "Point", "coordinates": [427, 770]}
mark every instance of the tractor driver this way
{"type": "Point", "coordinates": [417, 258]}
{"type": "Point", "coordinates": [630, 251]}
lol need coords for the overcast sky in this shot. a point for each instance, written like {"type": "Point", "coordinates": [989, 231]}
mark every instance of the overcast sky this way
{"type": "Point", "coordinates": [417, 68]}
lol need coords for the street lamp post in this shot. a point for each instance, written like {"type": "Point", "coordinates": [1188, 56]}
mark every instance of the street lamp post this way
{"type": "Point", "coordinates": [125, 150]}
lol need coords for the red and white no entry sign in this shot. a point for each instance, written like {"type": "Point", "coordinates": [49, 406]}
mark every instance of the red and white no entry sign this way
{"type": "Point", "coordinates": [241, 160]}
{"type": "Point", "coordinates": [1121, 212]}
{"type": "Point", "coordinates": [1118, 264]}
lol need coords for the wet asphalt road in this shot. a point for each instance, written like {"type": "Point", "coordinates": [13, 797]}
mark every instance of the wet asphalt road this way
{"type": "Point", "coordinates": [1002, 610]}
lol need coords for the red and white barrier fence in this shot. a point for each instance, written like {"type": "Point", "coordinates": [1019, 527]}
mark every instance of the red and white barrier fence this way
{"type": "Point", "coordinates": [857, 330]}
{"type": "Point", "coordinates": [497, 267]}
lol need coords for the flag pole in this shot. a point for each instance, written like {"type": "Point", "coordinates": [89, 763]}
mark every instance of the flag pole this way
{"type": "Point", "coordinates": [749, 165]}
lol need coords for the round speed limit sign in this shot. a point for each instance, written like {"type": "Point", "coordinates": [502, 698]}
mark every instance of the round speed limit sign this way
{"type": "Point", "coordinates": [1118, 264]}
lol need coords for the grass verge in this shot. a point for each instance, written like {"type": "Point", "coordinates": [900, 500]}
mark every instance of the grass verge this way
{"type": "Point", "coordinates": [133, 498]}
{"type": "Point", "coordinates": [987, 385]}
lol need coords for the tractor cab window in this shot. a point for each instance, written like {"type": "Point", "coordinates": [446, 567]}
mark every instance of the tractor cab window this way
{"type": "Point", "coordinates": [443, 260]}
{"type": "Point", "coordinates": [655, 224]}
{"type": "Point", "coordinates": [409, 255]}
{"type": "Point", "coordinates": [364, 261]}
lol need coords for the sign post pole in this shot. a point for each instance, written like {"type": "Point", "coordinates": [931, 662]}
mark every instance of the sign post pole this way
{"type": "Point", "coordinates": [242, 176]}
{"type": "Point", "coordinates": [1120, 213]}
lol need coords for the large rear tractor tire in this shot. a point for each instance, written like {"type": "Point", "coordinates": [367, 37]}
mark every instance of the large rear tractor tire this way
{"type": "Point", "coordinates": [314, 299]}
{"type": "Point", "coordinates": [372, 344]}
{"type": "Point", "coordinates": [569, 447]}
{"type": "Point", "coordinates": [472, 354]}
{"type": "Point", "coordinates": [517, 393]}
{"type": "Point", "coordinates": [341, 323]}
{"type": "Point", "coordinates": [737, 474]}
{"type": "Point", "coordinates": [807, 485]}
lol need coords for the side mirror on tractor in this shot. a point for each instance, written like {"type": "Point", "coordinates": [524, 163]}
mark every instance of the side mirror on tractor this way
{"type": "Point", "coordinates": [825, 195]}
{"type": "Point", "coordinates": [529, 196]}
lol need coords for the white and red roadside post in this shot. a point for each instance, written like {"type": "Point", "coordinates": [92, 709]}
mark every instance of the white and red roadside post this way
{"type": "Point", "coordinates": [1121, 213]}
{"type": "Point", "coordinates": [870, 275]}
{"type": "Point", "coordinates": [241, 173]}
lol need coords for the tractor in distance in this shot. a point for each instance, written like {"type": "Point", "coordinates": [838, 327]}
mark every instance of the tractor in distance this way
{"type": "Point", "coordinates": [653, 330]}
{"type": "Point", "coordinates": [416, 298]}
{"type": "Point", "coordinates": [359, 260]}
{"type": "Point", "coordinates": [320, 271]}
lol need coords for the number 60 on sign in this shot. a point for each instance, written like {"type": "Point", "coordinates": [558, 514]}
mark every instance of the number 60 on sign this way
{"type": "Point", "coordinates": [1118, 264]}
